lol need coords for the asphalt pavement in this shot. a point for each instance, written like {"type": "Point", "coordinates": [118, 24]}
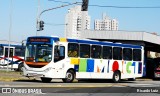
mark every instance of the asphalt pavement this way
{"type": "Point", "coordinates": [141, 87]}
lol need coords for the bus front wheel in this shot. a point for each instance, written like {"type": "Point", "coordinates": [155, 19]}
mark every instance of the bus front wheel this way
{"type": "Point", "coordinates": [46, 80]}
{"type": "Point", "coordinates": [69, 77]}
{"type": "Point", "coordinates": [116, 77]}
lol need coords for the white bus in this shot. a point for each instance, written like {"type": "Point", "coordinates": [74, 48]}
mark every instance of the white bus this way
{"type": "Point", "coordinates": [69, 59]}
{"type": "Point", "coordinates": [16, 56]}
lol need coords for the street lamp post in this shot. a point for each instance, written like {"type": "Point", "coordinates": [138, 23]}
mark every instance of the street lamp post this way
{"type": "Point", "coordinates": [39, 22]}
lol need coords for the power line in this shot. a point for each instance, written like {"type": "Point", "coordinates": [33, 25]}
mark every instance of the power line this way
{"type": "Point", "coordinates": [59, 1]}
{"type": "Point", "coordinates": [123, 7]}
{"type": "Point", "coordinates": [55, 24]}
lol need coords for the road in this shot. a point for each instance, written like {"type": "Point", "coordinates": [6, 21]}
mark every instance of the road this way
{"type": "Point", "coordinates": [141, 87]}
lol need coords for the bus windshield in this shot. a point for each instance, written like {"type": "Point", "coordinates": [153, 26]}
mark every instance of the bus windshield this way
{"type": "Point", "coordinates": [38, 53]}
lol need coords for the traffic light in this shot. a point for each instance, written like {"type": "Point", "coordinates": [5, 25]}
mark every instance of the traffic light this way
{"type": "Point", "coordinates": [41, 25]}
{"type": "Point", "coordinates": [85, 5]}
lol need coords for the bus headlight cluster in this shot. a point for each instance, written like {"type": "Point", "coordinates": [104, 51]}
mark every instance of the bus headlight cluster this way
{"type": "Point", "coordinates": [48, 69]}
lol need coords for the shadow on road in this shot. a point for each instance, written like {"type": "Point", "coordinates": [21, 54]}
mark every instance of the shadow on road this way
{"type": "Point", "coordinates": [103, 81]}
{"type": "Point", "coordinates": [28, 80]}
{"type": "Point", "coordinates": [76, 81]}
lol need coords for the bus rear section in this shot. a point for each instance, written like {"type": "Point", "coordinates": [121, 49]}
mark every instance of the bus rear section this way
{"type": "Point", "coordinates": [68, 59]}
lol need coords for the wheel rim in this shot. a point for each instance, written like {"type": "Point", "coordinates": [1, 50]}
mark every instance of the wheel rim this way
{"type": "Point", "coordinates": [69, 76]}
{"type": "Point", "coordinates": [117, 77]}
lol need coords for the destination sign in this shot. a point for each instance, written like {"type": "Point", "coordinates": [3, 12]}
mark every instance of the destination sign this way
{"type": "Point", "coordinates": [39, 40]}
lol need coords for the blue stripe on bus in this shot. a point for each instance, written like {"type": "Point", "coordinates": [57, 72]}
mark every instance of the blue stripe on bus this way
{"type": "Point", "coordinates": [76, 67]}
{"type": "Point", "coordinates": [140, 68]}
{"type": "Point", "coordinates": [90, 65]}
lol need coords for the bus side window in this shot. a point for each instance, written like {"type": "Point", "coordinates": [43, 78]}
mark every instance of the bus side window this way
{"type": "Point", "coordinates": [19, 52]}
{"type": "Point", "coordinates": [84, 51]}
{"type": "Point", "coordinates": [117, 53]}
{"type": "Point", "coordinates": [107, 52]}
{"type": "Point", "coordinates": [137, 55]}
{"type": "Point", "coordinates": [127, 54]}
{"type": "Point", "coordinates": [96, 51]}
{"type": "Point", "coordinates": [73, 50]}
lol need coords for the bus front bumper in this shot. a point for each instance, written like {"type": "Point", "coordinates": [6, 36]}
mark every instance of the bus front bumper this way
{"type": "Point", "coordinates": [48, 73]}
{"type": "Point", "coordinates": [34, 73]}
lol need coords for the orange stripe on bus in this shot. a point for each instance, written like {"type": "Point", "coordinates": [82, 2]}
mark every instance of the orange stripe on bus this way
{"type": "Point", "coordinates": [36, 63]}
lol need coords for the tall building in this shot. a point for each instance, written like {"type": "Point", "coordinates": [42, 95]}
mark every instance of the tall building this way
{"type": "Point", "coordinates": [73, 21]}
{"type": "Point", "coordinates": [106, 23]}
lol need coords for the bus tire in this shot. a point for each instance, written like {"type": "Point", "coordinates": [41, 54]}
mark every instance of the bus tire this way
{"type": "Point", "coordinates": [46, 80]}
{"type": "Point", "coordinates": [70, 75]}
{"type": "Point", "coordinates": [20, 67]}
{"type": "Point", "coordinates": [116, 77]}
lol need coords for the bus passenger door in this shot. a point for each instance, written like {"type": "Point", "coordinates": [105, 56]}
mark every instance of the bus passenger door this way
{"type": "Point", "coordinates": [11, 54]}
{"type": "Point", "coordinates": [59, 55]}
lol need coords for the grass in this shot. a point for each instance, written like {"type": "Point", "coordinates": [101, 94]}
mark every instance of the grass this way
{"type": "Point", "coordinates": [11, 76]}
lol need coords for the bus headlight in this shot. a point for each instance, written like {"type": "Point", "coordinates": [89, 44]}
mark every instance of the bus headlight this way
{"type": "Point", "coordinates": [48, 69]}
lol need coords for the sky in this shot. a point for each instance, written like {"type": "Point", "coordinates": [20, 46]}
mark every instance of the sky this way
{"type": "Point", "coordinates": [19, 17]}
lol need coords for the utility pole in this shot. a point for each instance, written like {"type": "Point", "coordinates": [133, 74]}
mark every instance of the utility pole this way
{"type": "Point", "coordinates": [37, 21]}
{"type": "Point", "coordinates": [10, 28]}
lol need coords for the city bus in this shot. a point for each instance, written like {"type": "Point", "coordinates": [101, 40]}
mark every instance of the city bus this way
{"type": "Point", "coordinates": [50, 57]}
{"type": "Point", "coordinates": [16, 56]}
